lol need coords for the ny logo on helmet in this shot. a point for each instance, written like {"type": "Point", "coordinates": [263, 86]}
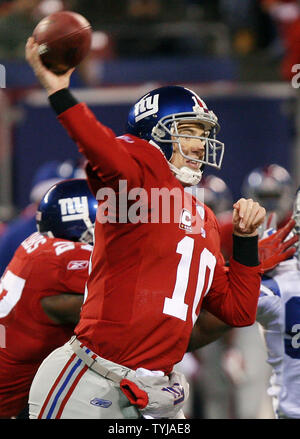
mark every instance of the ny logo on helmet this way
{"type": "Point", "coordinates": [147, 106]}
{"type": "Point", "coordinates": [75, 208]}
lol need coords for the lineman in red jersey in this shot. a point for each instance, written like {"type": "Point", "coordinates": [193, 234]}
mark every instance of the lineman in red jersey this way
{"type": "Point", "coordinates": [148, 279]}
{"type": "Point", "coordinates": [41, 293]}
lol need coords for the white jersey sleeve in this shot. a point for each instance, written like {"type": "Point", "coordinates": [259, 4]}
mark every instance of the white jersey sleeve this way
{"type": "Point", "coordinates": [279, 314]}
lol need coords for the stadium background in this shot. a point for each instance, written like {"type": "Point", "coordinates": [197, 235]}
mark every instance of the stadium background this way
{"type": "Point", "coordinates": [233, 53]}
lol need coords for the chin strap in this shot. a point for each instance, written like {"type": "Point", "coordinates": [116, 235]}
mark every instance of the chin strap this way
{"type": "Point", "coordinates": [186, 175]}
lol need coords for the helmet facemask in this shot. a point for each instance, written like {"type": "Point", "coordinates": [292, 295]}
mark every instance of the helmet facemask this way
{"type": "Point", "coordinates": [166, 132]}
{"type": "Point", "coordinates": [88, 235]}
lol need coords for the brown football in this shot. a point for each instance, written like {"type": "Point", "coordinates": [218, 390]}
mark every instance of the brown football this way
{"type": "Point", "coordinates": [64, 40]}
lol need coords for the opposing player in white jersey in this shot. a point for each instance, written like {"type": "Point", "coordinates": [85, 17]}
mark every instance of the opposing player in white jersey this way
{"type": "Point", "coordinates": [279, 314]}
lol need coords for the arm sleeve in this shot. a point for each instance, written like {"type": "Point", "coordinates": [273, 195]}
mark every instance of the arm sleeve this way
{"type": "Point", "coordinates": [108, 156]}
{"type": "Point", "coordinates": [234, 292]}
{"type": "Point", "coordinates": [74, 270]}
{"type": "Point", "coordinates": [268, 309]}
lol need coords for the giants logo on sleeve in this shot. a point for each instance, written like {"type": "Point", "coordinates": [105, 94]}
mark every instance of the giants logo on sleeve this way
{"type": "Point", "coordinates": [146, 106]}
{"type": "Point", "coordinates": [75, 208]}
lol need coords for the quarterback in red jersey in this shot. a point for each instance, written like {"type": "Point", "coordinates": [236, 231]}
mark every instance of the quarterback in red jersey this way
{"type": "Point", "coordinates": [41, 292]}
{"type": "Point", "coordinates": [153, 265]}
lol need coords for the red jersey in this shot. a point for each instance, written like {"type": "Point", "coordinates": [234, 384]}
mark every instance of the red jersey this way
{"type": "Point", "coordinates": [149, 280]}
{"type": "Point", "coordinates": [226, 231]}
{"type": "Point", "coordinates": [41, 267]}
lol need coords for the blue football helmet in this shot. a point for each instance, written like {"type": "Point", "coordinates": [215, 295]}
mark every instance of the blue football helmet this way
{"type": "Point", "coordinates": [68, 211]}
{"type": "Point", "coordinates": [217, 194]}
{"type": "Point", "coordinates": [272, 187]}
{"type": "Point", "coordinates": [155, 117]}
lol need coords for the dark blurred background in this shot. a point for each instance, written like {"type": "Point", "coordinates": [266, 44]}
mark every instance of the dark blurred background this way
{"type": "Point", "coordinates": [238, 55]}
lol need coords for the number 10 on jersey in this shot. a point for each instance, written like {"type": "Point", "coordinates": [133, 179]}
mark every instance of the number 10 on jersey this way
{"type": "Point", "coordinates": [176, 306]}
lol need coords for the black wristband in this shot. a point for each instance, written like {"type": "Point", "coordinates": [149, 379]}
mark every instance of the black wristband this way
{"type": "Point", "coordinates": [62, 100]}
{"type": "Point", "coordinates": [245, 250]}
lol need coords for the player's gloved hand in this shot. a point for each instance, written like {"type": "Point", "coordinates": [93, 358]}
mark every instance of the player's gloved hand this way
{"type": "Point", "coordinates": [157, 396]}
{"type": "Point", "coordinates": [274, 249]}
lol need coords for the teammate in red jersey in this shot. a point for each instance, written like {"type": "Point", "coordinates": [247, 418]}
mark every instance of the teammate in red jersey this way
{"type": "Point", "coordinates": [41, 290]}
{"type": "Point", "coordinates": [150, 273]}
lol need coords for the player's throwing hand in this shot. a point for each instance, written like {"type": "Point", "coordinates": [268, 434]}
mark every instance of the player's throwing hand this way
{"type": "Point", "coordinates": [50, 81]}
{"type": "Point", "coordinates": [248, 215]}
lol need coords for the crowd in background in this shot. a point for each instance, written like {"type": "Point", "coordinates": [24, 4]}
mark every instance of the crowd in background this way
{"type": "Point", "coordinates": [248, 30]}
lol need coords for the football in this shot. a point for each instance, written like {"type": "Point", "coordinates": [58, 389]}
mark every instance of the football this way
{"type": "Point", "coordinates": [64, 40]}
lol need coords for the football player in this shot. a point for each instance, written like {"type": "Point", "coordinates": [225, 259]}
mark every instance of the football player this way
{"type": "Point", "coordinates": [41, 290]}
{"type": "Point", "coordinates": [24, 224]}
{"type": "Point", "coordinates": [279, 314]}
{"type": "Point", "coordinates": [158, 273]}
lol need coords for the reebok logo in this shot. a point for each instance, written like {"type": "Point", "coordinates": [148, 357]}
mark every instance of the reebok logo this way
{"type": "Point", "coordinates": [77, 265]}
{"type": "Point", "coordinates": [104, 403]}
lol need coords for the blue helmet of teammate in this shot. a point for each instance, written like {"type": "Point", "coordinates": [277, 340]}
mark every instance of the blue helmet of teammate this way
{"type": "Point", "coordinates": [68, 211]}
{"type": "Point", "coordinates": [272, 187]}
{"type": "Point", "coordinates": [156, 116]}
{"type": "Point", "coordinates": [217, 194]}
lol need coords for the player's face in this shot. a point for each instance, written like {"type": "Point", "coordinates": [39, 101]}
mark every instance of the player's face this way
{"type": "Point", "coordinates": [192, 147]}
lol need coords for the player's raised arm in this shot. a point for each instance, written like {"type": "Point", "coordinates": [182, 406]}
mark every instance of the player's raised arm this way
{"type": "Point", "coordinates": [108, 156]}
